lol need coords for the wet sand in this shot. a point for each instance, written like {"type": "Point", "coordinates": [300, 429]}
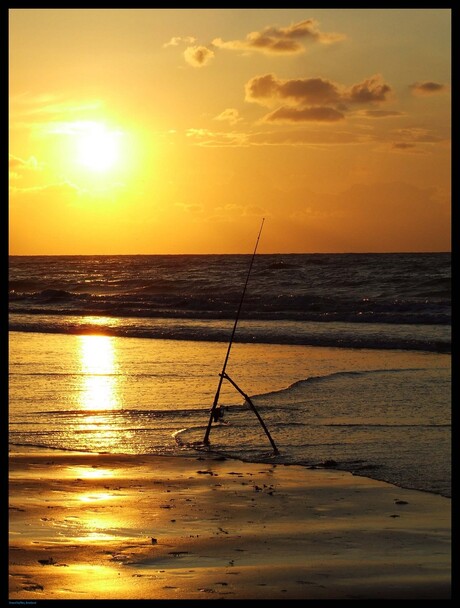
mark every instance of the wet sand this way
{"type": "Point", "coordinates": [88, 526]}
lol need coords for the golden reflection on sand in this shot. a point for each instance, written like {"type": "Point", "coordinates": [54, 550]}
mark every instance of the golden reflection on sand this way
{"type": "Point", "coordinates": [91, 525]}
{"type": "Point", "coordinates": [95, 496]}
{"type": "Point", "coordinates": [90, 473]}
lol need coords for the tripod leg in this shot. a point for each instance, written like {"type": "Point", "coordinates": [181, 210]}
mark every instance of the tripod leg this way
{"type": "Point", "coordinates": [253, 407]}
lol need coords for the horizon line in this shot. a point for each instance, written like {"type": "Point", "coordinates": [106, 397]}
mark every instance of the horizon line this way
{"type": "Point", "coordinates": [228, 254]}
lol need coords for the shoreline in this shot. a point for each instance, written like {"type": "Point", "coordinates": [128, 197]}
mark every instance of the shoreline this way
{"type": "Point", "coordinates": [221, 336]}
{"type": "Point", "coordinates": [112, 526]}
{"type": "Point", "coordinates": [15, 449]}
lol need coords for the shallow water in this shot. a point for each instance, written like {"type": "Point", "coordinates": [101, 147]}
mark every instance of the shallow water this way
{"type": "Point", "coordinates": [346, 355]}
{"type": "Point", "coordinates": [380, 413]}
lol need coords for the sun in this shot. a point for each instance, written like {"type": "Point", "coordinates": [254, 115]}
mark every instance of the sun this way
{"type": "Point", "coordinates": [98, 148]}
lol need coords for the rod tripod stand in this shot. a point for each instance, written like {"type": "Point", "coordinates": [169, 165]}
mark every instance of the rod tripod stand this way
{"type": "Point", "coordinates": [253, 408]}
{"type": "Point", "coordinates": [215, 410]}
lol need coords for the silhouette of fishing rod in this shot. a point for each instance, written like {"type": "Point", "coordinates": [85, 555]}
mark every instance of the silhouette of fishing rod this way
{"type": "Point", "coordinates": [216, 412]}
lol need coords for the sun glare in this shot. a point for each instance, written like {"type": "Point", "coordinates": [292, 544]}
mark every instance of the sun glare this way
{"type": "Point", "coordinates": [98, 148]}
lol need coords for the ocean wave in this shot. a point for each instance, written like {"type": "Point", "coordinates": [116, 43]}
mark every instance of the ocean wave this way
{"type": "Point", "coordinates": [432, 338]}
{"type": "Point", "coordinates": [61, 302]}
{"type": "Point", "coordinates": [389, 301]}
{"type": "Point", "coordinates": [305, 382]}
{"type": "Point", "coordinates": [385, 288]}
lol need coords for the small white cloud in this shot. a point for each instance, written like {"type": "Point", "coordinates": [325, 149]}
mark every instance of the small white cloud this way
{"type": "Point", "coordinates": [176, 40]}
{"type": "Point", "coordinates": [230, 115]}
{"type": "Point", "coordinates": [198, 56]}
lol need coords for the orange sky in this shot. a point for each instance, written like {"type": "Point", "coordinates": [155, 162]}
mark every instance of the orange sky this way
{"type": "Point", "coordinates": [177, 130]}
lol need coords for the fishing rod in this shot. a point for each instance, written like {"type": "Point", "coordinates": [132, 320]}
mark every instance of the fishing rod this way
{"type": "Point", "coordinates": [222, 375]}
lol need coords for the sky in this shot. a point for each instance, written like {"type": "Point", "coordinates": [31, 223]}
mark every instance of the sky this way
{"type": "Point", "coordinates": [175, 131]}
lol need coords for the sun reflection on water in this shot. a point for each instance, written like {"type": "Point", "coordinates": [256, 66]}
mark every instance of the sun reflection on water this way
{"type": "Point", "coordinates": [99, 367]}
{"type": "Point", "coordinates": [98, 393]}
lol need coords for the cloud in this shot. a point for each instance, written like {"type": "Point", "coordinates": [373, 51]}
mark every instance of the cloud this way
{"type": "Point", "coordinates": [414, 140]}
{"type": "Point", "coordinates": [176, 40]}
{"type": "Point", "coordinates": [427, 88]}
{"type": "Point", "coordinates": [371, 90]}
{"type": "Point", "coordinates": [230, 211]}
{"type": "Point", "coordinates": [299, 137]}
{"type": "Point", "coordinates": [30, 164]}
{"type": "Point", "coordinates": [314, 99]}
{"type": "Point", "coordinates": [198, 56]}
{"type": "Point", "coordinates": [73, 127]}
{"type": "Point", "coordinates": [230, 115]}
{"type": "Point", "coordinates": [18, 167]}
{"type": "Point", "coordinates": [417, 134]}
{"type": "Point", "coordinates": [67, 107]}
{"type": "Point", "coordinates": [379, 113]}
{"type": "Point", "coordinates": [314, 114]}
{"type": "Point", "coordinates": [193, 208]}
{"type": "Point", "coordinates": [281, 40]}
{"type": "Point", "coordinates": [205, 137]}
{"type": "Point", "coordinates": [268, 89]}
{"type": "Point", "coordinates": [28, 112]}
{"type": "Point", "coordinates": [402, 145]}
{"type": "Point", "coordinates": [55, 188]}
{"type": "Point", "coordinates": [407, 148]}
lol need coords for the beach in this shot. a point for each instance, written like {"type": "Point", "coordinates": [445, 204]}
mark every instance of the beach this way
{"type": "Point", "coordinates": [229, 305]}
{"type": "Point", "coordinates": [113, 368]}
{"type": "Point", "coordinates": [112, 526]}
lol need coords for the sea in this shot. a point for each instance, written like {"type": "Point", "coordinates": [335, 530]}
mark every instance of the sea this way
{"type": "Point", "coordinates": [346, 358]}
